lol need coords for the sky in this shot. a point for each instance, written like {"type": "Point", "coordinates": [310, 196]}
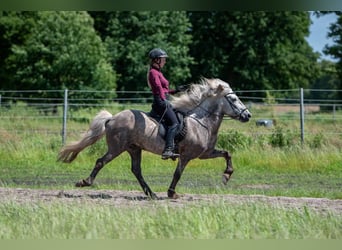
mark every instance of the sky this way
{"type": "Point", "coordinates": [318, 33]}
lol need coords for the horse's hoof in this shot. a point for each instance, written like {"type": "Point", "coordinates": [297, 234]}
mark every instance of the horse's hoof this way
{"type": "Point", "coordinates": [154, 196]}
{"type": "Point", "coordinates": [173, 196]}
{"type": "Point", "coordinates": [225, 178]}
{"type": "Point", "coordinates": [82, 183]}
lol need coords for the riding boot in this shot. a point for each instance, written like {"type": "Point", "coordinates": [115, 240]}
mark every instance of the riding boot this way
{"type": "Point", "coordinates": [169, 143]}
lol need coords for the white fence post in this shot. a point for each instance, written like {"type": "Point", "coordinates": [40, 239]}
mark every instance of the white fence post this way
{"type": "Point", "coordinates": [302, 115]}
{"type": "Point", "coordinates": [65, 112]}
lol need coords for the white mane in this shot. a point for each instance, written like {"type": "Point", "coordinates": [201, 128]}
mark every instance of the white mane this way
{"type": "Point", "coordinates": [197, 93]}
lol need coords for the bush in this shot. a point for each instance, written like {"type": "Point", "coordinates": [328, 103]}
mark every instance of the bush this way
{"type": "Point", "coordinates": [317, 141]}
{"type": "Point", "coordinates": [233, 140]}
{"type": "Point", "coordinates": [280, 138]}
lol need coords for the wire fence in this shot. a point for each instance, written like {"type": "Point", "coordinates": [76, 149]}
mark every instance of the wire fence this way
{"type": "Point", "coordinates": [62, 106]}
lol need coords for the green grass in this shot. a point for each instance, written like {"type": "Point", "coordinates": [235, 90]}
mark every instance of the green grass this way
{"type": "Point", "coordinates": [28, 159]}
{"type": "Point", "coordinates": [28, 152]}
{"type": "Point", "coordinates": [210, 221]}
{"type": "Point", "coordinates": [299, 172]}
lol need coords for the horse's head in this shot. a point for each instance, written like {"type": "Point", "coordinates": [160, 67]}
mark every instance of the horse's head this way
{"type": "Point", "coordinates": [208, 91]}
{"type": "Point", "coordinates": [230, 102]}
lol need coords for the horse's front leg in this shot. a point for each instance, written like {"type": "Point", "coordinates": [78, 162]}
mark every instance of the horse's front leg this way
{"type": "Point", "coordinates": [171, 192]}
{"type": "Point", "coordinates": [229, 166]}
{"type": "Point", "coordinates": [135, 154]}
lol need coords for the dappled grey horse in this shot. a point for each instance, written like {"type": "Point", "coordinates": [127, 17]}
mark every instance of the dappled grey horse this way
{"type": "Point", "coordinates": [204, 105]}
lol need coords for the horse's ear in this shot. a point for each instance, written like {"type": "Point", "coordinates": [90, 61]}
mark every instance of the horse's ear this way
{"type": "Point", "coordinates": [219, 89]}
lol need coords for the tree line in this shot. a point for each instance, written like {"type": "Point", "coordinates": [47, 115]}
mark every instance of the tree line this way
{"type": "Point", "coordinates": [92, 50]}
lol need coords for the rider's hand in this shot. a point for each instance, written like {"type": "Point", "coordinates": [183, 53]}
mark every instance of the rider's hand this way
{"type": "Point", "coordinates": [181, 88]}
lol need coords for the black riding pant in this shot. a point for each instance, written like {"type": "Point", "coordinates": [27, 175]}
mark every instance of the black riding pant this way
{"type": "Point", "coordinates": [164, 109]}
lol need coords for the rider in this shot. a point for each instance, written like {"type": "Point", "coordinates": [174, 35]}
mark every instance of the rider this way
{"type": "Point", "coordinates": [160, 90]}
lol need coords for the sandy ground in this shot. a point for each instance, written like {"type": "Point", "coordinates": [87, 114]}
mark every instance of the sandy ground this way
{"type": "Point", "coordinates": [137, 198]}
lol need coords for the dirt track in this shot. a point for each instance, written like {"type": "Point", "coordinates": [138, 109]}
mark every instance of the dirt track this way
{"type": "Point", "coordinates": [137, 198]}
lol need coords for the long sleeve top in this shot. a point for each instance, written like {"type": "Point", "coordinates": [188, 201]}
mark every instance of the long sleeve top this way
{"type": "Point", "coordinates": [159, 84]}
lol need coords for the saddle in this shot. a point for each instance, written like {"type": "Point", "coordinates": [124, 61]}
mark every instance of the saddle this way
{"type": "Point", "coordinates": [162, 127]}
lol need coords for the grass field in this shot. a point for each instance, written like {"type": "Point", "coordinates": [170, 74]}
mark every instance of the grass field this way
{"type": "Point", "coordinates": [214, 221]}
{"type": "Point", "coordinates": [268, 162]}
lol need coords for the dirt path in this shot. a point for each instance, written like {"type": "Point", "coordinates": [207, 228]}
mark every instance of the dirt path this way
{"type": "Point", "coordinates": [134, 198]}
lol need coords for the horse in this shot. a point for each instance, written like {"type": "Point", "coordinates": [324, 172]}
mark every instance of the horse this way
{"type": "Point", "coordinates": [204, 104]}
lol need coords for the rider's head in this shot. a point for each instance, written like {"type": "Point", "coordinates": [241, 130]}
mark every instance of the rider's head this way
{"type": "Point", "coordinates": [158, 57]}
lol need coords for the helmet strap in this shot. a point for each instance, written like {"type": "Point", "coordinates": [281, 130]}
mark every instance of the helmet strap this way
{"type": "Point", "coordinates": [156, 62]}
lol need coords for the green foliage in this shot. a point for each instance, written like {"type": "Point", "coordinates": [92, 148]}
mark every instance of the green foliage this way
{"type": "Point", "coordinates": [335, 50]}
{"type": "Point", "coordinates": [233, 140]}
{"type": "Point", "coordinates": [317, 141]}
{"type": "Point", "coordinates": [253, 50]}
{"type": "Point", "coordinates": [108, 50]}
{"type": "Point", "coordinates": [131, 35]}
{"type": "Point", "coordinates": [281, 138]}
{"type": "Point", "coordinates": [61, 50]}
{"type": "Point", "coordinates": [15, 28]}
{"type": "Point", "coordinates": [269, 99]}
{"type": "Point", "coordinates": [327, 80]}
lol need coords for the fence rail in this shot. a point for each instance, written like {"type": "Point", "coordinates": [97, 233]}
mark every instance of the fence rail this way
{"type": "Point", "coordinates": [301, 105]}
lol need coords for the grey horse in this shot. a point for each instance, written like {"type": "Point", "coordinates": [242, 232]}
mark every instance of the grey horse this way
{"type": "Point", "coordinates": [204, 103]}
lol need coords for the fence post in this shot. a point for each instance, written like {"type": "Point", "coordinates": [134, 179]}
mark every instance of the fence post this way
{"type": "Point", "coordinates": [334, 109]}
{"type": "Point", "coordinates": [65, 112]}
{"type": "Point", "coordinates": [302, 115]}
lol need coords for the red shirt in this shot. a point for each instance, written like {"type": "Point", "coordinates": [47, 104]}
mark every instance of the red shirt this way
{"type": "Point", "coordinates": [159, 84]}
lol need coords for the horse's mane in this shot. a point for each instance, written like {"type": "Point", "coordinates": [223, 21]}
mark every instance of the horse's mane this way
{"type": "Point", "coordinates": [197, 93]}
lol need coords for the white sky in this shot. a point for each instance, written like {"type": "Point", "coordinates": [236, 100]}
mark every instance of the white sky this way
{"type": "Point", "coordinates": [318, 33]}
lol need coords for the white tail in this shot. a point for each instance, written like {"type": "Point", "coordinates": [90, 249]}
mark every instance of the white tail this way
{"type": "Point", "coordinates": [95, 132]}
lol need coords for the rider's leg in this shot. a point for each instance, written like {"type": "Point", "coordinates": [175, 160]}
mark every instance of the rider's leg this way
{"type": "Point", "coordinates": [173, 125]}
{"type": "Point", "coordinates": [169, 143]}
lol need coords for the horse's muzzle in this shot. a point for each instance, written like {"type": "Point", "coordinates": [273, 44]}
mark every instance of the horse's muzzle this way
{"type": "Point", "coordinates": [245, 116]}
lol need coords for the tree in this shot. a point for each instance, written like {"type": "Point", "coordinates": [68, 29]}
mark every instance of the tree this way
{"type": "Point", "coordinates": [80, 50]}
{"type": "Point", "coordinates": [62, 50]}
{"type": "Point", "coordinates": [328, 80]}
{"type": "Point", "coordinates": [131, 35]}
{"type": "Point", "coordinates": [253, 50]}
{"type": "Point", "coordinates": [335, 50]}
{"type": "Point", "coordinates": [15, 27]}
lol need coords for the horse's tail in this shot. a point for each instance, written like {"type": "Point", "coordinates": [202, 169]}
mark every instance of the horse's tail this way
{"type": "Point", "coordinates": [95, 132]}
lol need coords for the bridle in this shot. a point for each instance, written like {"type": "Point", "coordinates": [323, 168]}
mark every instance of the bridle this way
{"type": "Point", "coordinates": [234, 107]}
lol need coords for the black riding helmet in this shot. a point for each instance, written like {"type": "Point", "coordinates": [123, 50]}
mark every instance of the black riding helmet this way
{"type": "Point", "coordinates": [157, 53]}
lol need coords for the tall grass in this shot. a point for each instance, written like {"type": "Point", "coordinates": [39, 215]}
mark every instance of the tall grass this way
{"type": "Point", "coordinates": [201, 221]}
{"type": "Point", "coordinates": [269, 158]}
{"type": "Point", "coordinates": [266, 161]}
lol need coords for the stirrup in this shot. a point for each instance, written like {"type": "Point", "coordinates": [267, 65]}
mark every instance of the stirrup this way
{"type": "Point", "coordinates": [169, 154]}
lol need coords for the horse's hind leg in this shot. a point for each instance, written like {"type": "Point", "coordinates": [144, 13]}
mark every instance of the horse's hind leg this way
{"type": "Point", "coordinates": [135, 154]}
{"type": "Point", "coordinates": [98, 166]}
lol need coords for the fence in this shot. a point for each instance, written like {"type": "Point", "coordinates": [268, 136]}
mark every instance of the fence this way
{"type": "Point", "coordinates": [58, 104]}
